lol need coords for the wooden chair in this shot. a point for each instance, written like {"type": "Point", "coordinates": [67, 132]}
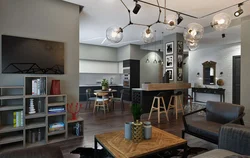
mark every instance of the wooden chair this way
{"type": "Point", "coordinates": [89, 98]}
{"type": "Point", "coordinates": [176, 98]}
{"type": "Point", "coordinates": [101, 101]}
{"type": "Point", "coordinates": [119, 100]}
{"type": "Point", "coordinates": [158, 108]}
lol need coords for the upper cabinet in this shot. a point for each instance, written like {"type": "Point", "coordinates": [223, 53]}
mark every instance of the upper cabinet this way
{"type": "Point", "coordinates": [91, 66]}
{"type": "Point", "coordinates": [209, 73]}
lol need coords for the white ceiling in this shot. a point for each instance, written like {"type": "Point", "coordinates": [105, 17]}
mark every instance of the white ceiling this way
{"type": "Point", "coordinates": [98, 15]}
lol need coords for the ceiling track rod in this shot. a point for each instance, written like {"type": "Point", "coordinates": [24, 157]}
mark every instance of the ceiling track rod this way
{"type": "Point", "coordinates": [191, 16]}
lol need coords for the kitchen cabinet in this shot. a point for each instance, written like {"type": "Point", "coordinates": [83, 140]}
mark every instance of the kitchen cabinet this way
{"type": "Point", "coordinates": [91, 66]}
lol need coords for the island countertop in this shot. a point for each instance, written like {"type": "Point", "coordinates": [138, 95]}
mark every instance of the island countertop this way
{"type": "Point", "coordinates": [163, 86]}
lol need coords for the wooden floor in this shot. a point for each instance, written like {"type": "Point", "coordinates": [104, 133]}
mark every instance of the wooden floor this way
{"type": "Point", "coordinates": [114, 120]}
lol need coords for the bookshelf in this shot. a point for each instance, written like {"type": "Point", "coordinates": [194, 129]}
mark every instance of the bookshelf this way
{"type": "Point", "coordinates": [18, 98]}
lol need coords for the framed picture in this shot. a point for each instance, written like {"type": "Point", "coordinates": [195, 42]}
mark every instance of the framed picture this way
{"type": "Point", "coordinates": [179, 74]}
{"type": "Point", "coordinates": [179, 61]}
{"type": "Point", "coordinates": [179, 47]}
{"type": "Point", "coordinates": [169, 61]}
{"type": "Point", "coordinates": [170, 73]}
{"type": "Point", "coordinates": [169, 48]}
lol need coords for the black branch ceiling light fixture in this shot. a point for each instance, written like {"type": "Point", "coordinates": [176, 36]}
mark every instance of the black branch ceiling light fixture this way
{"type": "Point", "coordinates": [193, 32]}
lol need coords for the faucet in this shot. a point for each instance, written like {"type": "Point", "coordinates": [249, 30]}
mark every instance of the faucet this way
{"type": "Point", "coordinates": [111, 80]}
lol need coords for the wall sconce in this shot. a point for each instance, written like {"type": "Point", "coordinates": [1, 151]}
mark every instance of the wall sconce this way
{"type": "Point", "coordinates": [221, 73]}
{"type": "Point", "coordinates": [198, 74]}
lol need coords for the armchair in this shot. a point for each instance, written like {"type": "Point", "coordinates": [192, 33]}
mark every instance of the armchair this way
{"type": "Point", "coordinates": [217, 114]}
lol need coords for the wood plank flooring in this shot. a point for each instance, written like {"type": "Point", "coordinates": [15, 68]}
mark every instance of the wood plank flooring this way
{"type": "Point", "coordinates": [114, 120]}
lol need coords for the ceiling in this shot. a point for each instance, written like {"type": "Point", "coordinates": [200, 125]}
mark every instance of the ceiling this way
{"type": "Point", "coordinates": [98, 15]}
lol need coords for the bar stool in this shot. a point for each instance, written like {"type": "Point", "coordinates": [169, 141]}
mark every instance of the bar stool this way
{"type": "Point", "coordinates": [159, 99]}
{"type": "Point", "coordinates": [177, 106]}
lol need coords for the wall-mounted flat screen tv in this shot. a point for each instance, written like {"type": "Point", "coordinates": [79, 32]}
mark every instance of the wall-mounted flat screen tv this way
{"type": "Point", "coordinates": [31, 56]}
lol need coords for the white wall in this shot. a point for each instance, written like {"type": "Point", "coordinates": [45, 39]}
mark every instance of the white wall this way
{"type": "Point", "coordinates": [223, 56]}
{"type": "Point", "coordinates": [49, 20]}
{"type": "Point", "coordinates": [123, 53]}
{"type": "Point", "coordinates": [93, 52]}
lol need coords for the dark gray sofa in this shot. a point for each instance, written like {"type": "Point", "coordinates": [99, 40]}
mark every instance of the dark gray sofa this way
{"type": "Point", "coordinates": [217, 114]}
{"type": "Point", "coordinates": [45, 151]}
{"type": "Point", "coordinates": [233, 140]}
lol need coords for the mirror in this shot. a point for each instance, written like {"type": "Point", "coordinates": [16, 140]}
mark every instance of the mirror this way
{"type": "Point", "coordinates": [209, 72]}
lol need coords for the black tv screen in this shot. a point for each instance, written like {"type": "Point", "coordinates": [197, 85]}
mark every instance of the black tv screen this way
{"type": "Point", "coordinates": [31, 56]}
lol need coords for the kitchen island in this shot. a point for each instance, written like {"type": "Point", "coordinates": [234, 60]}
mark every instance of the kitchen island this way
{"type": "Point", "coordinates": [145, 95]}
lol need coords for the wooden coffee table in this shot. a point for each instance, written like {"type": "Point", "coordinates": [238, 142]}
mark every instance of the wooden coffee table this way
{"type": "Point", "coordinates": [119, 147]}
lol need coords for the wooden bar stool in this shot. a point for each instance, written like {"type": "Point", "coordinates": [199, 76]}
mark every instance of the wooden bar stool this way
{"type": "Point", "coordinates": [159, 99]}
{"type": "Point", "coordinates": [177, 106]}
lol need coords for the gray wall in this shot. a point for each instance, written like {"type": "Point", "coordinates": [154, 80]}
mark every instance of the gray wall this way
{"type": "Point", "coordinates": [223, 55]}
{"type": "Point", "coordinates": [50, 20]}
{"type": "Point", "coordinates": [245, 62]}
{"type": "Point", "coordinates": [123, 53]}
{"type": "Point", "coordinates": [93, 52]}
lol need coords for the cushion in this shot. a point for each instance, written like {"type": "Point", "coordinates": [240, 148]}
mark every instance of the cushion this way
{"type": "Point", "coordinates": [223, 112]}
{"type": "Point", "coordinates": [204, 128]}
{"type": "Point", "coordinates": [217, 153]}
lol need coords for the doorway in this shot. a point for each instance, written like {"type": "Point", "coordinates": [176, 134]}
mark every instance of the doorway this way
{"type": "Point", "coordinates": [236, 79]}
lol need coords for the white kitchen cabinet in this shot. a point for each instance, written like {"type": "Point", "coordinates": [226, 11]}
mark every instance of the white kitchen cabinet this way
{"type": "Point", "coordinates": [90, 66]}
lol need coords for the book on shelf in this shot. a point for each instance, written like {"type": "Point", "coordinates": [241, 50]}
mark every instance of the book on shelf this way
{"type": "Point", "coordinates": [17, 118]}
{"type": "Point", "coordinates": [56, 110]}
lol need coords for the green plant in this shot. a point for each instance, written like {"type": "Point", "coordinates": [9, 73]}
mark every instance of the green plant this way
{"type": "Point", "coordinates": [105, 83]}
{"type": "Point", "coordinates": [136, 111]}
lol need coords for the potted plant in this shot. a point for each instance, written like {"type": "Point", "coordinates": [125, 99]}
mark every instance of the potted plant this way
{"type": "Point", "coordinates": [105, 84]}
{"type": "Point", "coordinates": [136, 111]}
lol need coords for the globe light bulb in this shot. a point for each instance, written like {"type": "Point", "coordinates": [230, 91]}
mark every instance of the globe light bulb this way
{"type": "Point", "coordinates": [147, 35]}
{"type": "Point", "coordinates": [171, 21]}
{"type": "Point", "coordinates": [114, 34]}
{"type": "Point", "coordinates": [221, 21]}
{"type": "Point", "coordinates": [193, 32]}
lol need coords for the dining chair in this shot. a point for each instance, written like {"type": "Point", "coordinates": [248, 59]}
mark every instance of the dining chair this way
{"type": "Point", "coordinates": [89, 98]}
{"type": "Point", "coordinates": [119, 100]}
{"type": "Point", "coordinates": [101, 100]}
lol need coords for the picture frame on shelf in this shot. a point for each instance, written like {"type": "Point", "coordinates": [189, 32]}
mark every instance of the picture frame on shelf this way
{"type": "Point", "coordinates": [169, 48]}
{"type": "Point", "coordinates": [169, 61]}
{"type": "Point", "coordinates": [180, 47]}
{"type": "Point", "coordinates": [171, 74]}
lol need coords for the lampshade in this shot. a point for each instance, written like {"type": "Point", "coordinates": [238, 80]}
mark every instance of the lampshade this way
{"type": "Point", "coordinates": [192, 45]}
{"type": "Point", "coordinates": [194, 32]}
{"type": "Point", "coordinates": [221, 21]}
{"type": "Point", "coordinates": [171, 21]}
{"type": "Point", "coordinates": [147, 35]}
{"type": "Point", "coordinates": [114, 34]}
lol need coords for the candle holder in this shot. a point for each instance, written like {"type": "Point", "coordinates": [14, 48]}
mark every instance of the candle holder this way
{"type": "Point", "coordinates": [74, 111]}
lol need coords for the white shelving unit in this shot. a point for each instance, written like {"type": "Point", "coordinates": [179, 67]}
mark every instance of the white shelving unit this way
{"type": "Point", "coordinates": [17, 98]}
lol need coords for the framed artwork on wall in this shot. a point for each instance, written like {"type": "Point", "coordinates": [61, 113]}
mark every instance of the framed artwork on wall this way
{"type": "Point", "coordinates": [179, 47]}
{"type": "Point", "coordinates": [169, 48]}
{"type": "Point", "coordinates": [179, 74]}
{"type": "Point", "coordinates": [169, 61]}
{"type": "Point", "coordinates": [179, 61]}
{"type": "Point", "coordinates": [171, 74]}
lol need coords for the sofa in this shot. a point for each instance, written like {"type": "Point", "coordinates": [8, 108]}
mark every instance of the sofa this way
{"type": "Point", "coordinates": [234, 142]}
{"type": "Point", "coordinates": [45, 151]}
{"type": "Point", "coordinates": [217, 114]}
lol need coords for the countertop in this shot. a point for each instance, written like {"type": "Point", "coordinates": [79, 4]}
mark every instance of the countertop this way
{"type": "Point", "coordinates": [163, 86]}
{"type": "Point", "coordinates": [98, 85]}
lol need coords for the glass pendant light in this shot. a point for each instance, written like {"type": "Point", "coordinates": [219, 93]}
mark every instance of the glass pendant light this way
{"type": "Point", "coordinates": [221, 21]}
{"type": "Point", "coordinates": [171, 21]}
{"type": "Point", "coordinates": [148, 35]}
{"type": "Point", "coordinates": [114, 34]}
{"type": "Point", "coordinates": [194, 32]}
{"type": "Point", "coordinates": [192, 45]}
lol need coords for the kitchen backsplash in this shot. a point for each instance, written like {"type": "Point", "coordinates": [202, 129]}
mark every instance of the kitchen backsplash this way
{"type": "Point", "coordinates": [89, 78]}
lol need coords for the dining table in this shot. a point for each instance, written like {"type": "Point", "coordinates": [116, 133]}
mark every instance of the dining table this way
{"type": "Point", "coordinates": [112, 91]}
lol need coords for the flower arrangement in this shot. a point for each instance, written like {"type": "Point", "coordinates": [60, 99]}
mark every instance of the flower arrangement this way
{"type": "Point", "coordinates": [136, 111]}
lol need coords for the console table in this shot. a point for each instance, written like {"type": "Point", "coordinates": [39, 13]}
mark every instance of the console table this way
{"type": "Point", "coordinates": [215, 91]}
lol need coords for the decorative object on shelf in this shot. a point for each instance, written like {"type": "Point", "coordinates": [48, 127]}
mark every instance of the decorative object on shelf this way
{"type": "Point", "coordinates": [33, 137]}
{"type": "Point", "coordinates": [105, 84]}
{"type": "Point", "coordinates": [220, 82]}
{"type": "Point", "coordinates": [29, 136]}
{"type": "Point", "coordinates": [169, 48]}
{"type": "Point", "coordinates": [77, 129]}
{"type": "Point", "coordinates": [137, 131]}
{"type": "Point", "coordinates": [74, 110]}
{"type": "Point", "coordinates": [136, 111]}
{"type": "Point", "coordinates": [59, 126]}
{"type": "Point", "coordinates": [38, 86]}
{"type": "Point", "coordinates": [39, 106]}
{"type": "Point", "coordinates": [55, 87]}
{"type": "Point", "coordinates": [170, 21]}
{"type": "Point", "coordinates": [39, 135]}
{"type": "Point", "coordinates": [127, 130]}
{"type": "Point", "coordinates": [32, 109]}
{"type": "Point", "coordinates": [221, 21]}
{"type": "Point", "coordinates": [147, 130]}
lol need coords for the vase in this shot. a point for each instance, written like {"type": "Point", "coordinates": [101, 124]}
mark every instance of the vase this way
{"type": "Point", "coordinates": [147, 130]}
{"type": "Point", "coordinates": [104, 88]}
{"type": "Point", "coordinates": [127, 130]}
{"type": "Point", "coordinates": [137, 131]}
